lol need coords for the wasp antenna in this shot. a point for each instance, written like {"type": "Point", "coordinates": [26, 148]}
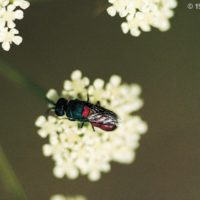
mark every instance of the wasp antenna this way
{"type": "Point", "coordinates": [50, 101]}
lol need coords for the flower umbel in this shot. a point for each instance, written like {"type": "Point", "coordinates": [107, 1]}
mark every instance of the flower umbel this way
{"type": "Point", "coordinates": [10, 10]}
{"type": "Point", "coordinates": [62, 197]}
{"type": "Point", "coordinates": [141, 15]}
{"type": "Point", "coordinates": [81, 151]}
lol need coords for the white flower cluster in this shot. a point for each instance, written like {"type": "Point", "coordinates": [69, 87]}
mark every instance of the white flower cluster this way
{"type": "Point", "coordinates": [142, 14]}
{"type": "Point", "coordinates": [62, 197]}
{"type": "Point", "coordinates": [82, 151]}
{"type": "Point", "coordinates": [10, 10]}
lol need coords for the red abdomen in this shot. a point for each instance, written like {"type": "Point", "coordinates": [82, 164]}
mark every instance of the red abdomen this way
{"type": "Point", "coordinates": [86, 111]}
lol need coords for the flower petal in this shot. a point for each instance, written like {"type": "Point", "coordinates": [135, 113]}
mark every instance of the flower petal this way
{"type": "Point", "coordinates": [17, 40]}
{"type": "Point", "coordinates": [19, 14]}
{"type": "Point", "coordinates": [6, 46]}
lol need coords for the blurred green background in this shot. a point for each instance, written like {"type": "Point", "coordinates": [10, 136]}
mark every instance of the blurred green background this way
{"type": "Point", "coordinates": [63, 35]}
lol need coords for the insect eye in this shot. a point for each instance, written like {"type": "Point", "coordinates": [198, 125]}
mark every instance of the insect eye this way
{"type": "Point", "coordinates": [59, 112]}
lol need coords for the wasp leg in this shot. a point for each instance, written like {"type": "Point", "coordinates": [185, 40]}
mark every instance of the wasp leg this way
{"type": "Point", "coordinates": [88, 98]}
{"type": "Point", "coordinates": [82, 124]}
{"type": "Point", "coordinates": [98, 103]}
{"type": "Point", "coordinates": [93, 127]}
{"type": "Point", "coordinates": [71, 119]}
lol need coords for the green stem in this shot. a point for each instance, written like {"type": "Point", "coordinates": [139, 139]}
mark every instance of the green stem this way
{"type": "Point", "coordinates": [18, 78]}
{"type": "Point", "coordinates": [7, 175]}
{"type": "Point", "coordinates": [9, 178]}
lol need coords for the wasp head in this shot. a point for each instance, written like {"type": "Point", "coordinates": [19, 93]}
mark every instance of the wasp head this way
{"type": "Point", "coordinates": [60, 107]}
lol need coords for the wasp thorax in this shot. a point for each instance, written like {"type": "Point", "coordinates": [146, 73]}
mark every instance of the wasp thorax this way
{"type": "Point", "coordinates": [60, 106]}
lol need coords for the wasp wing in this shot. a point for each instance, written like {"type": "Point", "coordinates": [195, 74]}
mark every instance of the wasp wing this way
{"type": "Point", "coordinates": [103, 118]}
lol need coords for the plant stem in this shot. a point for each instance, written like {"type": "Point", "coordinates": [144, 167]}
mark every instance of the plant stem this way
{"type": "Point", "coordinates": [18, 78]}
{"type": "Point", "coordinates": [9, 178]}
{"type": "Point", "coordinates": [7, 175]}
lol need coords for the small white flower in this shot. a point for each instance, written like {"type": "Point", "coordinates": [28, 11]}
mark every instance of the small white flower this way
{"type": "Point", "coordinates": [62, 197]}
{"type": "Point", "coordinates": [7, 37]}
{"type": "Point", "coordinates": [77, 85]}
{"type": "Point", "coordinates": [141, 15]}
{"type": "Point", "coordinates": [9, 12]}
{"type": "Point", "coordinates": [81, 151]}
{"type": "Point", "coordinates": [21, 3]}
{"type": "Point", "coordinates": [3, 3]}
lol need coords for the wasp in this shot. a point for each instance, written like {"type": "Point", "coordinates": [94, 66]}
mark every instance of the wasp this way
{"type": "Point", "coordinates": [84, 111]}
